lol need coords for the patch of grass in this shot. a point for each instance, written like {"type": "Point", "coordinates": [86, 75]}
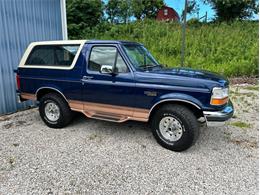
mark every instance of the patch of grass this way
{"type": "Point", "coordinates": [227, 134]}
{"type": "Point", "coordinates": [95, 137]}
{"type": "Point", "coordinates": [12, 161]}
{"type": "Point", "coordinates": [240, 124]}
{"type": "Point", "coordinates": [252, 87]}
{"type": "Point", "coordinates": [218, 47]}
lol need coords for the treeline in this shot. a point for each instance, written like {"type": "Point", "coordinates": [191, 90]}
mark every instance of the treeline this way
{"type": "Point", "coordinates": [86, 14]}
{"type": "Point", "coordinates": [83, 15]}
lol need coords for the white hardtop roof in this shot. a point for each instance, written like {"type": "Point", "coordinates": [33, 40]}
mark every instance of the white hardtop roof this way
{"type": "Point", "coordinates": [58, 42]}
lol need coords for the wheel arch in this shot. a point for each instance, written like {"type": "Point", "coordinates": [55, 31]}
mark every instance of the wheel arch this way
{"type": "Point", "coordinates": [45, 90]}
{"type": "Point", "coordinates": [195, 108]}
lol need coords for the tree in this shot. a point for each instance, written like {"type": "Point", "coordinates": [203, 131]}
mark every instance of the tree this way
{"type": "Point", "coordinates": [82, 14]}
{"type": "Point", "coordinates": [146, 8]}
{"type": "Point", "coordinates": [118, 9]}
{"type": "Point", "coordinates": [125, 10]}
{"type": "Point", "coordinates": [192, 8]}
{"type": "Point", "coordinates": [228, 10]}
{"type": "Point", "coordinates": [112, 9]}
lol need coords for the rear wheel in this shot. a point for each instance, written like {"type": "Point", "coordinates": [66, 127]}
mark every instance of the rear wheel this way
{"type": "Point", "coordinates": [175, 127]}
{"type": "Point", "coordinates": [55, 111]}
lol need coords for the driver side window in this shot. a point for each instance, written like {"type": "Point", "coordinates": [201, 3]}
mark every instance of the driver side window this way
{"type": "Point", "coordinates": [102, 55]}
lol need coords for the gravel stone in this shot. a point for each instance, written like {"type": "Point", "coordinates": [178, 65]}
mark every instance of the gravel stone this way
{"type": "Point", "coordinates": [97, 157]}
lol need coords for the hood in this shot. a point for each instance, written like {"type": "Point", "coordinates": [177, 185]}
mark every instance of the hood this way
{"type": "Point", "coordinates": [188, 76]}
{"type": "Point", "coordinates": [188, 72]}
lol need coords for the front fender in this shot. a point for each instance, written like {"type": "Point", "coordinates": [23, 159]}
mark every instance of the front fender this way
{"type": "Point", "coordinates": [178, 97]}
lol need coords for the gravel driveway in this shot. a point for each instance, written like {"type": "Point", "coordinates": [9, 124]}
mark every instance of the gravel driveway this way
{"type": "Point", "coordinates": [97, 157]}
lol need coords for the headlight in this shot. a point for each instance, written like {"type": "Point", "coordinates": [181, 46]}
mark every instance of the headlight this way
{"type": "Point", "coordinates": [219, 96]}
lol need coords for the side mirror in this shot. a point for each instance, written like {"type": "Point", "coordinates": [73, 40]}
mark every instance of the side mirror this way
{"type": "Point", "coordinates": [106, 69]}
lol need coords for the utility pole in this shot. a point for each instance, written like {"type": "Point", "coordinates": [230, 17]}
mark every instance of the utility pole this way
{"type": "Point", "coordinates": [184, 33]}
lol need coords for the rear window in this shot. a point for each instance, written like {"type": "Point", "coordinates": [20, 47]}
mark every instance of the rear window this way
{"type": "Point", "coordinates": [52, 55]}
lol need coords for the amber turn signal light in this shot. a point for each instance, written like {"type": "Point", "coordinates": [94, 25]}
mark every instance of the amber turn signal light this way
{"type": "Point", "coordinates": [218, 102]}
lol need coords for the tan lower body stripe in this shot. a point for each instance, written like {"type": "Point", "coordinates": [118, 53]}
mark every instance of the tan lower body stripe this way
{"type": "Point", "coordinates": [97, 110]}
{"type": "Point", "coordinates": [28, 96]}
{"type": "Point", "coordinates": [123, 113]}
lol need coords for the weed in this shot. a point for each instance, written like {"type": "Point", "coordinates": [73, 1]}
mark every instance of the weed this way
{"type": "Point", "coordinates": [12, 161]}
{"type": "Point", "coordinates": [252, 87]}
{"type": "Point", "coordinates": [16, 144]}
{"type": "Point", "coordinates": [240, 124]}
{"type": "Point", "coordinates": [227, 134]}
{"type": "Point", "coordinates": [95, 137]}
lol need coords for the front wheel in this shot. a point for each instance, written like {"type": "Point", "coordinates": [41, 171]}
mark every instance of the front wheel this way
{"type": "Point", "coordinates": [175, 127]}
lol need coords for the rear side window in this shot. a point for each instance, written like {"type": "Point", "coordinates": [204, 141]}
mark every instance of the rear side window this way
{"type": "Point", "coordinates": [52, 55]}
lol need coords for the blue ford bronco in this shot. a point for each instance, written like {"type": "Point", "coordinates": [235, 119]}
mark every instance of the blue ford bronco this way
{"type": "Point", "coordinates": [119, 81]}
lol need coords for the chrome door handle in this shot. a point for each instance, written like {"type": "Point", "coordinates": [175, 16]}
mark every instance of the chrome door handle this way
{"type": "Point", "coordinates": [85, 78]}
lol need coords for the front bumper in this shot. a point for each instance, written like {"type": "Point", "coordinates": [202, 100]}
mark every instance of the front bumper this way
{"type": "Point", "coordinates": [218, 118]}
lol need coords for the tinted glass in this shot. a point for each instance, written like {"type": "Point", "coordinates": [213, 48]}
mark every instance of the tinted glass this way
{"type": "Point", "coordinates": [101, 56]}
{"type": "Point", "coordinates": [140, 56]}
{"type": "Point", "coordinates": [52, 55]}
{"type": "Point", "coordinates": [121, 67]}
{"type": "Point", "coordinates": [106, 56]}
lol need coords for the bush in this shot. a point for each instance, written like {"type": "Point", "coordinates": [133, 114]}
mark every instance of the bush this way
{"type": "Point", "coordinates": [230, 49]}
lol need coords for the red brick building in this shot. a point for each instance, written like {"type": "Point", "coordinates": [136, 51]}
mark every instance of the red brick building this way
{"type": "Point", "coordinates": [167, 14]}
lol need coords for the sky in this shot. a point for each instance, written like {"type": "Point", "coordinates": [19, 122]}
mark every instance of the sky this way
{"type": "Point", "coordinates": [178, 5]}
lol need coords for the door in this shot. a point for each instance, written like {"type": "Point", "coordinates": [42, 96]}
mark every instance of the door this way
{"type": "Point", "coordinates": [108, 95]}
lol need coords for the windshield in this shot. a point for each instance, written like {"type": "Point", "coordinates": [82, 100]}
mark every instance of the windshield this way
{"type": "Point", "coordinates": [140, 56]}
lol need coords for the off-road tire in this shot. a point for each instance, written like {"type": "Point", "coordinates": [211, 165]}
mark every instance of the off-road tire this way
{"type": "Point", "coordinates": [65, 116]}
{"type": "Point", "coordinates": [187, 120]}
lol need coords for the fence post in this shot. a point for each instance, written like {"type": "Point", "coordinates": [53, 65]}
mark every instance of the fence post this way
{"type": "Point", "coordinates": [184, 33]}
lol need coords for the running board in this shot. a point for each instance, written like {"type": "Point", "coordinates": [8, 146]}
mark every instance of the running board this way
{"type": "Point", "coordinates": [111, 118]}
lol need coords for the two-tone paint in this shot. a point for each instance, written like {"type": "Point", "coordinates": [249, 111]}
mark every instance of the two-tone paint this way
{"type": "Point", "coordinates": [118, 97]}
